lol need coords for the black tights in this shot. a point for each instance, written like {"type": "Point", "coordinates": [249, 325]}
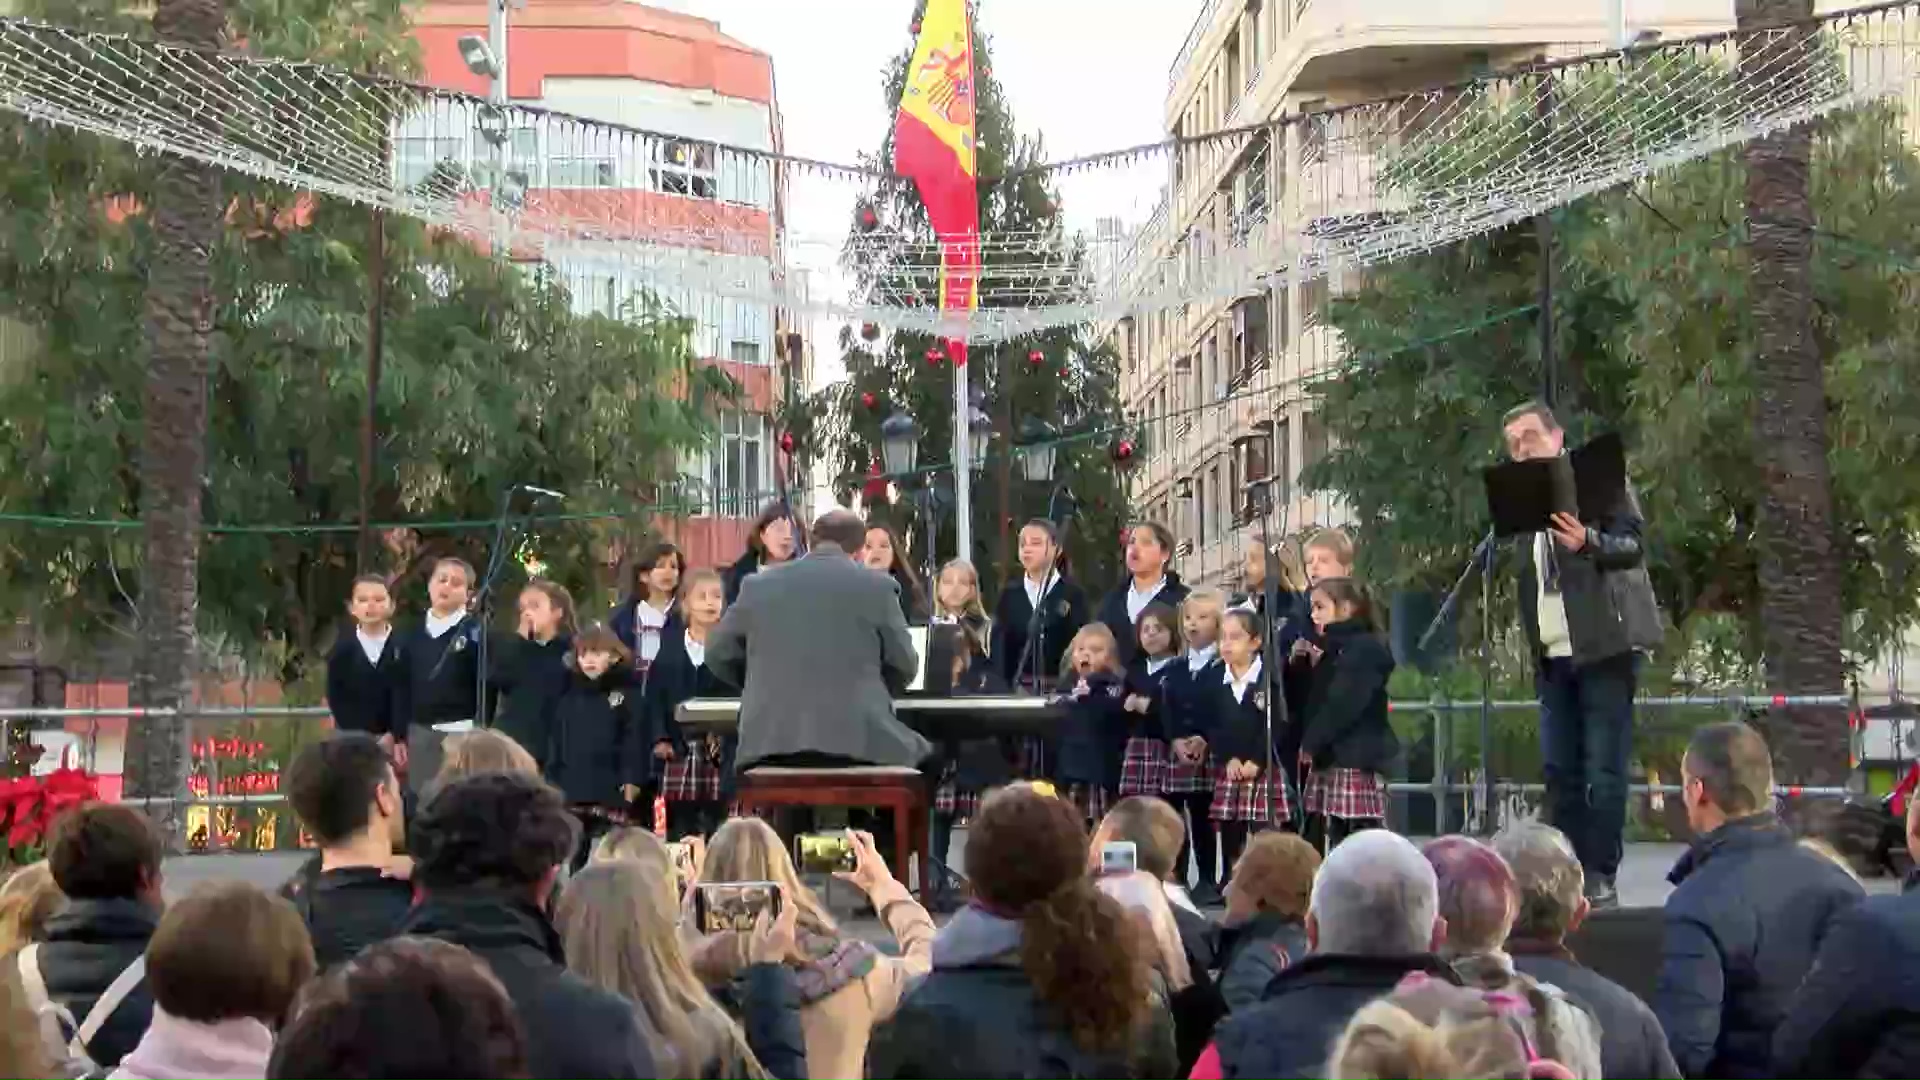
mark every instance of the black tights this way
{"type": "Point", "coordinates": [695, 817]}
{"type": "Point", "coordinates": [942, 843]}
{"type": "Point", "coordinates": [1325, 832]}
{"type": "Point", "coordinates": [1199, 840]}
{"type": "Point", "coordinates": [593, 825]}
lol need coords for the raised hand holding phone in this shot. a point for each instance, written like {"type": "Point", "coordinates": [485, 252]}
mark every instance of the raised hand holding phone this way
{"type": "Point", "coordinates": [774, 936]}
{"type": "Point", "coordinates": [869, 868]}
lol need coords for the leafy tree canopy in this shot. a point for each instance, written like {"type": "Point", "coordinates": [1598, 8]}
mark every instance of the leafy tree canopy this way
{"type": "Point", "coordinates": [489, 377]}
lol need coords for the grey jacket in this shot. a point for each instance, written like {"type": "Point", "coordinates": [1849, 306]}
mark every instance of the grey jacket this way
{"type": "Point", "coordinates": [819, 649]}
{"type": "Point", "coordinates": [1610, 604]}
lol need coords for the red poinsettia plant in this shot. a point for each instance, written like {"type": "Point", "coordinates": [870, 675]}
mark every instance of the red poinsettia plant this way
{"type": "Point", "coordinates": [28, 805]}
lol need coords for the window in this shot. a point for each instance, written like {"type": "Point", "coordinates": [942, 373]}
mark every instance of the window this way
{"type": "Point", "coordinates": [1200, 512]}
{"type": "Point", "coordinates": [744, 352]}
{"type": "Point", "coordinates": [414, 159]}
{"type": "Point", "coordinates": [747, 180]}
{"type": "Point", "coordinates": [1282, 463]}
{"type": "Point", "coordinates": [1313, 440]}
{"type": "Point", "coordinates": [737, 465]}
{"type": "Point", "coordinates": [684, 167]}
{"type": "Point", "coordinates": [582, 172]}
{"type": "Point", "coordinates": [523, 153]}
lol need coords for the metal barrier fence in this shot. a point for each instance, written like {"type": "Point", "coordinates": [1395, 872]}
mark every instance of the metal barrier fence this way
{"type": "Point", "coordinates": [1446, 780]}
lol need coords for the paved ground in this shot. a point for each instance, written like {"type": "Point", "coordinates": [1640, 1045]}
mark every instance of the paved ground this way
{"type": "Point", "coordinates": [1643, 875]}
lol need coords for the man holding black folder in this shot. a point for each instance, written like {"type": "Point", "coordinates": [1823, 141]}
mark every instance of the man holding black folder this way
{"type": "Point", "coordinates": [1588, 609]}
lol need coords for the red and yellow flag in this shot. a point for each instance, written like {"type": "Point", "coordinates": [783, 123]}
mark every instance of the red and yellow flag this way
{"type": "Point", "coordinates": [933, 143]}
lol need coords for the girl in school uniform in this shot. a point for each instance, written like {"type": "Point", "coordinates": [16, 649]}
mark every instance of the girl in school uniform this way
{"type": "Point", "coordinates": [1189, 710]}
{"type": "Point", "coordinates": [694, 774]}
{"type": "Point", "coordinates": [956, 601]}
{"type": "Point", "coordinates": [1033, 621]}
{"type": "Point", "coordinates": [1247, 796]}
{"type": "Point", "coordinates": [1149, 547]}
{"type": "Point", "coordinates": [1346, 746]}
{"type": "Point", "coordinates": [592, 745]}
{"type": "Point", "coordinates": [1327, 554]}
{"type": "Point", "coordinates": [442, 657]}
{"type": "Point", "coordinates": [532, 672]}
{"type": "Point", "coordinates": [1143, 767]}
{"type": "Point", "coordinates": [957, 668]}
{"type": "Point", "coordinates": [1093, 734]}
{"type": "Point", "coordinates": [883, 552]}
{"type": "Point", "coordinates": [770, 542]}
{"type": "Point", "coordinates": [366, 678]}
{"type": "Point", "coordinates": [642, 619]}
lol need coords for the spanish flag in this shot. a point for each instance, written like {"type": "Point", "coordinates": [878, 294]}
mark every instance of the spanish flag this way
{"type": "Point", "coordinates": [933, 143]}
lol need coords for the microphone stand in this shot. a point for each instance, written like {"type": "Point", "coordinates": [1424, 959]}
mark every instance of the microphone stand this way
{"type": "Point", "coordinates": [1260, 491]}
{"type": "Point", "coordinates": [1482, 560]}
{"type": "Point", "coordinates": [1036, 625]}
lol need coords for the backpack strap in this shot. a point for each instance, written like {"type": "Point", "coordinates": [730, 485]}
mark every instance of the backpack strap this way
{"type": "Point", "coordinates": [104, 1006]}
{"type": "Point", "coordinates": [54, 1019]}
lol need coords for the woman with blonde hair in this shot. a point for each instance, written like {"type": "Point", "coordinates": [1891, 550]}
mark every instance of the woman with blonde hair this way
{"type": "Point", "coordinates": [1429, 1028]}
{"type": "Point", "coordinates": [617, 920]}
{"type": "Point", "coordinates": [483, 751]}
{"type": "Point", "coordinates": [27, 900]}
{"type": "Point", "coordinates": [846, 985]}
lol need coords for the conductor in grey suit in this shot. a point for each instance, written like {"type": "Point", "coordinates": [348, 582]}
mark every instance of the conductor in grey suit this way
{"type": "Point", "coordinates": [820, 649]}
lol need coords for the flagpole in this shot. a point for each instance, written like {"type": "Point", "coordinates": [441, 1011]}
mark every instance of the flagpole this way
{"type": "Point", "coordinates": [962, 468]}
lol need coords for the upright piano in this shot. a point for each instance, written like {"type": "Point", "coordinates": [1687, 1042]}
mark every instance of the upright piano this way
{"type": "Point", "coordinates": [939, 719]}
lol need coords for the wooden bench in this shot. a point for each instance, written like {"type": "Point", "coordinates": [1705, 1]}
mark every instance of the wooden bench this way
{"type": "Point", "coordinates": [903, 791]}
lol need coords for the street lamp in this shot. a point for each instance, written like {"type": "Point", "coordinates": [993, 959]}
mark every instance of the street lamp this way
{"type": "Point", "coordinates": [899, 443]}
{"type": "Point", "coordinates": [979, 437]}
{"type": "Point", "coordinates": [1037, 451]}
{"type": "Point", "coordinates": [478, 56]}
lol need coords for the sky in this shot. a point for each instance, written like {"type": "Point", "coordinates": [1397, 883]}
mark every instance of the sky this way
{"type": "Point", "coordinates": [1086, 75]}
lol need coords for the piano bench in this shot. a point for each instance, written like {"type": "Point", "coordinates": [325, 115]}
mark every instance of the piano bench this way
{"type": "Point", "coordinates": [903, 791]}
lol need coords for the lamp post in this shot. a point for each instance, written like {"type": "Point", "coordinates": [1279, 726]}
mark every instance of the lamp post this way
{"type": "Point", "coordinates": [487, 58]}
{"type": "Point", "coordinates": [979, 440]}
{"type": "Point", "coordinates": [899, 445]}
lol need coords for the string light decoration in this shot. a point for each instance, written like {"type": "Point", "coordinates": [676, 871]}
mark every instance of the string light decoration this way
{"type": "Point", "coordinates": [1363, 184]}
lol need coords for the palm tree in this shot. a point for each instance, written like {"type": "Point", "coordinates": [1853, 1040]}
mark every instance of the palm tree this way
{"type": "Point", "coordinates": [1801, 614]}
{"type": "Point", "coordinates": [186, 221]}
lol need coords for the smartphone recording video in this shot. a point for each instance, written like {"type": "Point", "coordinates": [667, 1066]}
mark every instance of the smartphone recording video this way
{"type": "Point", "coordinates": [824, 853]}
{"type": "Point", "coordinates": [734, 906]}
{"type": "Point", "coordinates": [681, 855]}
{"type": "Point", "coordinates": [1119, 857]}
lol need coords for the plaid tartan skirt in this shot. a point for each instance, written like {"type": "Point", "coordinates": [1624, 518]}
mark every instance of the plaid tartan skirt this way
{"type": "Point", "coordinates": [691, 777]}
{"type": "Point", "coordinates": [1259, 800]}
{"type": "Point", "coordinates": [1187, 778]}
{"type": "Point", "coordinates": [1143, 771]}
{"type": "Point", "coordinates": [1345, 793]}
{"type": "Point", "coordinates": [1092, 801]}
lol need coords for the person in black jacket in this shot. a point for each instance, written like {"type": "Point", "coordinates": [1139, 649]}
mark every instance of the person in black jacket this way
{"type": "Point", "coordinates": [1372, 920]}
{"type": "Point", "coordinates": [1190, 724]}
{"type": "Point", "coordinates": [884, 553]}
{"type": "Point", "coordinates": [1041, 977]}
{"type": "Point", "coordinates": [487, 852]}
{"type": "Point", "coordinates": [1037, 615]}
{"type": "Point", "coordinates": [1588, 610]}
{"type": "Point", "coordinates": [770, 541]}
{"type": "Point", "coordinates": [366, 677]}
{"type": "Point", "coordinates": [619, 920]}
{"type": "Point", "coordinates": [1552, 905]}
{"type": "Point", "coordinates": [1143, 770]}
{"type": "Point", "coordinates": [1748, 911]}
{"type": "Point", "coordinates": [1248, 793]}
{"type": "Point", "coordinates": [441, 655]}
{"type": "Point", "coordinates": [956, 668]}
{"type": "Point", "coordinates": [344, 792]}
{"type": "Point", "coordinates": [644, 618]}
{"type": "Point", "coordinates": [1149, 547]}
{"type": "Point", "coordinates": [1264, 930]}
{"type": "Point", "coordinates": [594, 750]}
{"type": "Point", "coordinates": [693, 775]}
{"type": "Point", "coordinates": [1093, 733]}
{"type": "Point", "coordinates": [530, 670]}
{"type": "Point", "coordinates": [1346, 745]}
{"type": "Point", "coordinates": [106, 860]}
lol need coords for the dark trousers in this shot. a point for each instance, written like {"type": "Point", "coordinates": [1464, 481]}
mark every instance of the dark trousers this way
{"type": "Point", "coordinates": [1199, 840]}
{"type": "Point", "coordinates": [701, 818]}
{"type": "Point", "coordinates": [594, 824]}
{"type": "Point", "coordinates": [1586, 740]}
{"type": "Point", "coordinates": [1324, 831]}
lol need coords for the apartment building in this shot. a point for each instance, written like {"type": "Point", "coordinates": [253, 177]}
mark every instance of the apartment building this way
{"type": "Point", "coordinates": [1223, 388]}
{"type": "Point", "coordinates": [695, 93]}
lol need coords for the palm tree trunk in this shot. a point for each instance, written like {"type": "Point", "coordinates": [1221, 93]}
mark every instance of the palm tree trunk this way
{"type": "Point", "coordinates": [1801, 614]}
{"type": "Point", "coordinates": [186, 219]}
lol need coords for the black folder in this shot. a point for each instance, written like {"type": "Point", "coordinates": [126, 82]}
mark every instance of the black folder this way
{"type": "Point", "coordinates": [1589, 483]}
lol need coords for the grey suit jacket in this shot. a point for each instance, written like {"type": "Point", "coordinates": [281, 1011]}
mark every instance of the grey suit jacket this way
{"type": "Point", "coordinates": [819, 648]}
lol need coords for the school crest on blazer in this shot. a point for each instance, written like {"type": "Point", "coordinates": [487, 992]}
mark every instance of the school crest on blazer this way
{"type": "Point", "coordinates": [614, 699]}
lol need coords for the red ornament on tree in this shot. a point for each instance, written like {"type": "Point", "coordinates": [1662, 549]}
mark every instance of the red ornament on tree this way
{"type": "Point", "coordinates": [870, 331]}
{"type": "Point", "coordinates": [876, 486]}
{"type": "Point", "coordinates": [786, 442]}
{"type": "Point", "coordinates": [1036, 358]}
{"type": "Point", "coordinates": [1063, 373]}
{"type": "Point", "coordinates": [866, 400]}
{"type": "Point", "coordinates": [1123, 452]}
{"type": "Point", "coordinates": [935, 355]}
{"type": "Point", "coordinates": [914, 26]}
{"type": "Point", "coordinates": [867, 218]}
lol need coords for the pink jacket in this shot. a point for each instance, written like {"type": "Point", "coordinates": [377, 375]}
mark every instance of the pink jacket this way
{"type": "Point", "coordinates": [176, 1049]}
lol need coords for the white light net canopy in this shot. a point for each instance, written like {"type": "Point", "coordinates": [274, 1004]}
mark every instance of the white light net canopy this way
{"type": "Point", "coordinates": [702, 223]}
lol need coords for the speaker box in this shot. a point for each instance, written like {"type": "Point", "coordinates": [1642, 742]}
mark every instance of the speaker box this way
{"type": "Point", "coordinates": [1624, 945]}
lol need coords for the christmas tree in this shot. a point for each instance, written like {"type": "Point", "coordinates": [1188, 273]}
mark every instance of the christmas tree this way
{"type": "Point", "coordinates": [1059, 386]}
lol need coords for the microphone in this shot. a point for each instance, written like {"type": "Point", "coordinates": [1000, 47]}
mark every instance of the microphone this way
{"type": "Point", "coordinates": [548, 493]}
